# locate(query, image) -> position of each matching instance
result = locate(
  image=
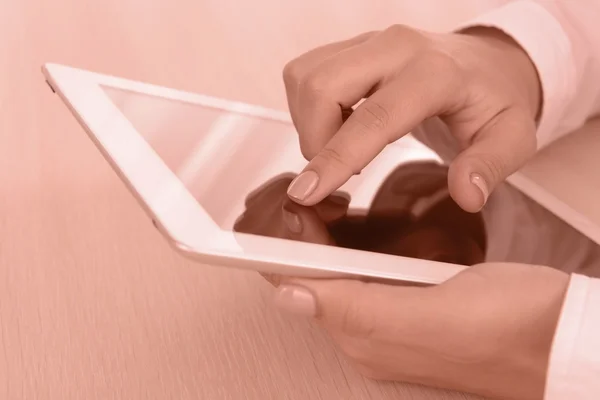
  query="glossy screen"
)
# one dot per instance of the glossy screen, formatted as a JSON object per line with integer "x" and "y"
{"x": 238, "y": 168}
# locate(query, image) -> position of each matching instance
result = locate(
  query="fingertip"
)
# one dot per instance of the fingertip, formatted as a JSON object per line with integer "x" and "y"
{"x": 302, "y": 188}
{"x": 468, "y": 189}
{"x": 479, "y": 182}
{"x": 496, "y": 153}
{"x": 296, "y": 299}
{"x": 316, "y": 183}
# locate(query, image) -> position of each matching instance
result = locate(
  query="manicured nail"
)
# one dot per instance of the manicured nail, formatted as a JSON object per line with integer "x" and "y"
{"x": 303, "y": 185}
{"x": 479, "y": 182}
{"x": 296, "y": 300}
{"x": 292, "y": 221}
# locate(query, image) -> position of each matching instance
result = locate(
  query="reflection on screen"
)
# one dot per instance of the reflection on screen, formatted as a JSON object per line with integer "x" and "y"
{"x": 234, "y": 165}
{"x": 219, "y": 156}
{"x": 443, "y": 232}
{"x": 412, "y": 215}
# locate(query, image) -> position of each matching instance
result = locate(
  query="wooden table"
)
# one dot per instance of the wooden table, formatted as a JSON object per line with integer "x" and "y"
{"x": 93, "y": 302}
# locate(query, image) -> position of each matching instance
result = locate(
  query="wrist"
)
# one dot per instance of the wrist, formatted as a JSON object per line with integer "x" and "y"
{"x": 523, "y": 356}
{"x": 505, "y": 53}
{"x": 532, "y": 357}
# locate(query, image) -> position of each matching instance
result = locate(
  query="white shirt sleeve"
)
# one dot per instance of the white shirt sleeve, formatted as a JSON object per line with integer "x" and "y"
{"x": 562, "y": 38}
{"x": 574, "y": 369}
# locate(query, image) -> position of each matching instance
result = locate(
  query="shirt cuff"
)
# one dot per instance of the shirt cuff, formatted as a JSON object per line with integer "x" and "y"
{"x": 543, "y": 38}
{"x": 574, "y": 365}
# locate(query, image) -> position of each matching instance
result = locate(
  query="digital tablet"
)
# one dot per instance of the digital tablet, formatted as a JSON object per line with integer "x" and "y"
{"x": 212, "y": 174}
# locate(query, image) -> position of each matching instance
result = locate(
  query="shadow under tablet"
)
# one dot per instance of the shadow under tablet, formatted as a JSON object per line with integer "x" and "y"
{"x": 413, "y": 215}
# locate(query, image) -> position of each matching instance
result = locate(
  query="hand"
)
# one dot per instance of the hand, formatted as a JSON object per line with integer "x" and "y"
{"x": 480, "y": 82}
{"x": 487, "y": 331}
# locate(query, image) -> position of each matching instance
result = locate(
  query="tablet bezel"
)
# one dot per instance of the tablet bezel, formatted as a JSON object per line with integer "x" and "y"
{"x": 184, "y": 222}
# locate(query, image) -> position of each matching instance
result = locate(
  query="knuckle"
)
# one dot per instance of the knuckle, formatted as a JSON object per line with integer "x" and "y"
{"x": 315, "y": 85}
{"x": 440, "y": 62}
{"x": 292, "y": 74}
{"x": 493, "y": 167}
{"x": 331, "y": 155}
{"x": 404, "y": 32}
{"x": 405, "y": 39}
{"x": 307, "y": 153}
{"x": 398, "y": 30}
{"x": 372, "y": 116}
{"x": 307, "y": 148}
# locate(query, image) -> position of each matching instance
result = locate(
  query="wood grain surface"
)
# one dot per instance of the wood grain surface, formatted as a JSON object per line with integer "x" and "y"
{"x": 93, "y": 302}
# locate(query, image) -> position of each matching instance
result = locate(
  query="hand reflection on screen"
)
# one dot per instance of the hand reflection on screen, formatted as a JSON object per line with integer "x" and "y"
{"x": 411, "y": 215}
{"x": 269, "y": 212}
{"x": 435, "y": 228}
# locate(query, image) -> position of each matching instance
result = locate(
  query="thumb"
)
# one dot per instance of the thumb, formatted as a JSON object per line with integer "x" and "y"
{"x": 356, "y": 308}
{"x": 497, "y": 151}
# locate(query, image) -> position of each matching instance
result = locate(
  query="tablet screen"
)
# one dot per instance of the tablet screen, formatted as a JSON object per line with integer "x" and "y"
{"x": 238, "y": 168}
{"x": 218, "y": 155}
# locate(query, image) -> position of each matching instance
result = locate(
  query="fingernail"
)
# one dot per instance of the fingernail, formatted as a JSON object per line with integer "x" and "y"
{"x": 303, "y": 185}
{"x": 479, "y": 182}
{"x": 292, "y": 221}
{"x": 296, "y": 300}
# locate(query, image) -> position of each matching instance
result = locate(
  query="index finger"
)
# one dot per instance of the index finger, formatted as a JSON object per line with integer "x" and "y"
{"x": 419, "y": 92}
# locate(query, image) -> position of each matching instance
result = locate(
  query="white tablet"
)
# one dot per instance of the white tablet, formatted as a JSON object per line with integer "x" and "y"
{"x": 213, "y": 174}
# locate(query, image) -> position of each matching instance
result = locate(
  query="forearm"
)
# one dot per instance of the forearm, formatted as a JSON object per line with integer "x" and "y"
{"x": 562, "y": 39}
